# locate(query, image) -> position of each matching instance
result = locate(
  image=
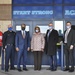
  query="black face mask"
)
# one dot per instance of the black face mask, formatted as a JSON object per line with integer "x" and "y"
{"x": 23, "y": 28}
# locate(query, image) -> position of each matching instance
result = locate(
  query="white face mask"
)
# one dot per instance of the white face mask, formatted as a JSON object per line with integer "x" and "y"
{"x": 37, "y": 31}
{"x": 68, "y": 27}
{"x": 50, "y": 27}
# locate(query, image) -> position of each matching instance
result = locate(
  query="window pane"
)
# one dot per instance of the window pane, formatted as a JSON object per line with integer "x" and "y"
{"x": 43, "y": 29}
{"x": 18, "y": 28}
{"x": 59, "y": 27}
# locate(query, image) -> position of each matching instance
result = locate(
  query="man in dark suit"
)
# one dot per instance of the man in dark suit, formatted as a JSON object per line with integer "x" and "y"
{"x": 22, "y": 42}
{"x": 51, "y": 40}
{"x": 69, "y": 40}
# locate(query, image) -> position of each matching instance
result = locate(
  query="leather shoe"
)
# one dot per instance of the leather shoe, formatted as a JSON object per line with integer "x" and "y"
{"x": 48, "y": 68}
{"x": 71, "y": 70}
{"x": 19, "y": 70}
{"x": 53, "y": 69}
{"x": 25, "y": 69}
{"x": 6, "y": 70}
{"x": 12, "y": 68}
{"x": 66, "y": 69}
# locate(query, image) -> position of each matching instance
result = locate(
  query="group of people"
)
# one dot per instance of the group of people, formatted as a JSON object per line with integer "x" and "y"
{"x": 22, "y": 43}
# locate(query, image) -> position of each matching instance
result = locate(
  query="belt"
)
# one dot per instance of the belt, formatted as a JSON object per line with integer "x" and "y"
{"x": 65, "y": 43}
{"x": 10, "y": 44}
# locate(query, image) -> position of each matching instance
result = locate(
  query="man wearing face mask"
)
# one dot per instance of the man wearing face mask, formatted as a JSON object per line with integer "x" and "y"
{"x": 51, "y": 40}
{"x": 22, "y": 42}
{"x": 69, "y": 40}
{"x": 9, "y": 47}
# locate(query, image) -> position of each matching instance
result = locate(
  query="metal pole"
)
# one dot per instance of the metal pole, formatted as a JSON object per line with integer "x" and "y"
{"x": 62, "y": 57}
{"x": 2, "y": 60}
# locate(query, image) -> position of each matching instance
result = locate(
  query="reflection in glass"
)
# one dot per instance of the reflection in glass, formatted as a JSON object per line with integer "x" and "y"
{"x": 18, "y": 28}
{"x": 43, "y": 29}
{"x": 59, "y": 27}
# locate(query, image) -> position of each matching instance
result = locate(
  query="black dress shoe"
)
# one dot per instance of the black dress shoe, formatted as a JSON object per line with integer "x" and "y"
{"x": 54, "y": 69}
{"x": 48, "y": 68}
{"x": 25, "y": 69}
{"x": 19, "y": 70}
{"x": 6, "y": 70}
{"x": 12, "y": 68}
{"x": 35, "y": 69}
{"x": 39, "y": 69}
{"x": 71, "y": 70}
{"x": 66, "y": 69}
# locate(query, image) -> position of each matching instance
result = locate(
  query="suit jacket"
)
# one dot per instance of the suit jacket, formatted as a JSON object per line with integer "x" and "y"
{"x": 50, "y": 43}
{"x": 20, "y": 42}
{"x": 70, "y": 37}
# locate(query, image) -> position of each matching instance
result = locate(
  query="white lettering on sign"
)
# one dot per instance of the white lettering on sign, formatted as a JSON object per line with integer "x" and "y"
{"x": 46, "y": 12}
{"x": 69, "y": 12}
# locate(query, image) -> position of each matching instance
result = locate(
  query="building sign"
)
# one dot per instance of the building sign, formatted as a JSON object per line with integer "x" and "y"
{"x": 69, "y": 12}
{"x": 32, "y": 12}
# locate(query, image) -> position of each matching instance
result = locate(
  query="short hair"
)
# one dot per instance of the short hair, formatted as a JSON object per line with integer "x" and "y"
{"x": 51, "y": 23}
{"x": 38, "y": 28}
{"x": 68, "y": 22}
{"x": 23, "y": 24}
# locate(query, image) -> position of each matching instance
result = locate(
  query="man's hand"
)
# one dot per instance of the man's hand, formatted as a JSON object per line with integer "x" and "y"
{"x": 17, "y": 49}
{"x": 3, "y": 49}
{"x": 42, "y": 49}
{"x": 31, "y": 50}
{"x": 61, "y": 42}
{"x": 28, "y": 49}
{"x": 71, "y": 47}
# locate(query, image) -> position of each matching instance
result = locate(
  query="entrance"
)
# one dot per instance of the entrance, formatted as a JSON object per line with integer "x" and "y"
{"x": 43, "y": 24}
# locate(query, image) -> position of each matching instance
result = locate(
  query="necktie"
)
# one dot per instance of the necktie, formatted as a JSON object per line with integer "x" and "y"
{"x": 23, "y": 34}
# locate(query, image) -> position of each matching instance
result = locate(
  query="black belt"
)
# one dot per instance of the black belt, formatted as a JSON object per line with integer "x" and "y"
{"x": 10, "y": 44}
{"x": 65, "y": 43}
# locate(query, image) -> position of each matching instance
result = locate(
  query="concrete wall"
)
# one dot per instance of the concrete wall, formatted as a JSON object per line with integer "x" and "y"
{"x": 5, "y": 1}
{"x": 5, "y": 14}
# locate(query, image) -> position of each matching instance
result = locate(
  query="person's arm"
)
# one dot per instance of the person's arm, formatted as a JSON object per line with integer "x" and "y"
{"x": 72, "y": 40}
{"x": 28, "y": 41}
{"x": 73, "y": 37}
{"x": 4, "y": 39}
{"x": 43, "y": 42}
{"x": 32, "y": 43}
{"x": 45, "y": 50}
{"x": 17, "y": 42}
{"x": 56, "y": 37}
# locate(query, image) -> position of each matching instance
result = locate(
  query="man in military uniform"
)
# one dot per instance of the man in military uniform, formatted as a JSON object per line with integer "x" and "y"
{"x": 9, "y": 47}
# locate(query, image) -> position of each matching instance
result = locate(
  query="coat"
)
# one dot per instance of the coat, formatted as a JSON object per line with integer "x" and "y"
{"x": 37, "y": 42}
{"x": 50, "y": 42}
{"x": 70, "y": 37}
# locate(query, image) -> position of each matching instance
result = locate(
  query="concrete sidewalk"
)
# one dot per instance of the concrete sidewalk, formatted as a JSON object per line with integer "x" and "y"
{"x": 32, "y": 72}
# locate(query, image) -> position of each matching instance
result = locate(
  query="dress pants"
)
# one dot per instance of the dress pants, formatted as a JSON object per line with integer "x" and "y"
{"x": 37, "y": 60}
{"x": 53, "y": 61}
{"x": 69, "y": 57}
{"x": 9, "y": 55}
{"x": 22, "y": 53}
